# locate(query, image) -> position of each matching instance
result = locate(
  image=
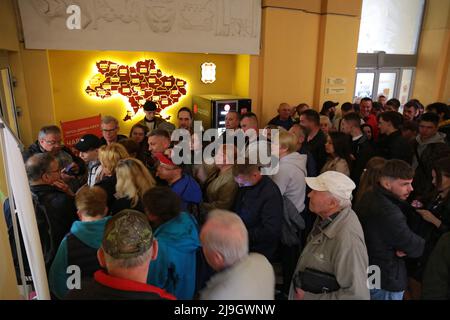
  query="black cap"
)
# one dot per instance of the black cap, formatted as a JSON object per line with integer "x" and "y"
{"x": 150, "y": 106}
{"x": 329, "y": 104}
{"x": 88, "y": 142}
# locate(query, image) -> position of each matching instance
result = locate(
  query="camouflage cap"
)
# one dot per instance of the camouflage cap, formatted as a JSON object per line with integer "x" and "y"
{"x": 128, "y": 235}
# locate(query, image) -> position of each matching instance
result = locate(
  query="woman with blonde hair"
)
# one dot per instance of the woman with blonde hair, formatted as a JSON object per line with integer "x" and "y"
{"x": 325, "y": 124}
{"x": 109, "y": 156}
{"x": 133, "y": 180}
{"x": 290, "y": 179}
{"x": 370, "y": 177}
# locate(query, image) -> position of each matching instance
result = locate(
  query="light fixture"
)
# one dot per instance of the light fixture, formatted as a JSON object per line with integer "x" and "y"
{"x": 208, "y": 72}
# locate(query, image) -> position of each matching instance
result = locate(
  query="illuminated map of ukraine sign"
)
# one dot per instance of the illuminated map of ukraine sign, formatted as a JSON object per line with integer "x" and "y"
{"x": 137, "y": 83}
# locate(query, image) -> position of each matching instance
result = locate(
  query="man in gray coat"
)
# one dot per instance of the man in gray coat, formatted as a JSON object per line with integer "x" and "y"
{"x": 335, "y": 249}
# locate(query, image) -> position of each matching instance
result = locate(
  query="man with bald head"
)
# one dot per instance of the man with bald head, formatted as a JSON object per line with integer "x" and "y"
{"x": 232, "y": 120}
{"x": 284, "y": 117}
{"x": 240, "y": 275}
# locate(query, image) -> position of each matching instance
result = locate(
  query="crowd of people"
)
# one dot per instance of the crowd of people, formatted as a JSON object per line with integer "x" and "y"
{"x": 358, "y": 188}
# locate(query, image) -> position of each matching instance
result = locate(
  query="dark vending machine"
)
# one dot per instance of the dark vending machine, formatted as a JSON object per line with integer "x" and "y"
{"x": 211, "y": 109}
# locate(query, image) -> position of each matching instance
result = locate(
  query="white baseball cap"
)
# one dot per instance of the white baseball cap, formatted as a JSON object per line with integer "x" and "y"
{"x": 334, "y": 182}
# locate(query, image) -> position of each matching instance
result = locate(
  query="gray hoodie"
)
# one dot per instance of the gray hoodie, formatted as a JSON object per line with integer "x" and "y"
{"x": 439, "y": 137}
{"x": 290, "y": 178}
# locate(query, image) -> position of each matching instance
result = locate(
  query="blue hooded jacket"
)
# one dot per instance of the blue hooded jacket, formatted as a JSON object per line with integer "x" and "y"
{"x": 189, "y": 191}
{"x": 91, "y": 234}
{"x": 174, "y": 269}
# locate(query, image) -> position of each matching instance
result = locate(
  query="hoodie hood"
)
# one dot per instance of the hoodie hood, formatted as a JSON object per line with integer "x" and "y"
{"x": 188, "y": 189}
{"x": 439, "y": 137}
{"x": 175, "y": 267}
{"x": 181, "y": 230}
{"x": 296, "y": 160}
{"x": 90, "y": 233}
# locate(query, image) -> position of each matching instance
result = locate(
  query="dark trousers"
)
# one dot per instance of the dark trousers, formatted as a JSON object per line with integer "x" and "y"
{"x": 289, "y": 259}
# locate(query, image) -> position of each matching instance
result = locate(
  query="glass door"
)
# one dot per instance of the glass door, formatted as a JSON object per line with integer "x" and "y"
{"x": 387, "y": 84}
{"x": 392, "y": 83}
{"x": 364, "y": 84}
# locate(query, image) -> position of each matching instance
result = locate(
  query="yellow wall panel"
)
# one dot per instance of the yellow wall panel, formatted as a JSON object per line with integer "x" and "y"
{"x": 71, "y": 71}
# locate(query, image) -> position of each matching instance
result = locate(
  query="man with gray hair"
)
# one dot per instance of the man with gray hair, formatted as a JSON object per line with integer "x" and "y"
{"x": 110, "y": 130}
{"x": 50, "y": 141}
{"x": 333, "y": 265}
{"x": 127, "y": 249}
{"x": 241, "y": 276}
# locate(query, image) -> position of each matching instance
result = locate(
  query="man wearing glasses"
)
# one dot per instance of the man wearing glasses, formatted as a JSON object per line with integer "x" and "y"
{"x": 110, "y": 130}
{"x": 49, "y": 141}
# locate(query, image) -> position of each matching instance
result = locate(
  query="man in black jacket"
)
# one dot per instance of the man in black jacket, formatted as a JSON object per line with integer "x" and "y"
{"x": 429, "y": 146}
{"x": 110, "y": 130}
{"x": 315, "y": 143}
{"x": 361, "y": 148}
{"x": 73, "y": 168}
{"x": 388, "y": 237}
{"x": 153, "y": 120}
{"x": 260, "y": 205}
{"x": 53, "y": 194}
{"x": 392, "y": 145}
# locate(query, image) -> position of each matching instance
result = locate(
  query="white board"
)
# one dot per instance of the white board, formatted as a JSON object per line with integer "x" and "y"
{"x": 18, "y": 185}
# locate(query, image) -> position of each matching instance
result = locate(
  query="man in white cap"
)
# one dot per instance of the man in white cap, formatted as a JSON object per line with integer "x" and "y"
{"x": 334, "y": 263}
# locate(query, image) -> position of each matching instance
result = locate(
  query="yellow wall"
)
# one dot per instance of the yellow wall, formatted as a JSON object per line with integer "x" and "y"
{"x": 337, "y": 50}
{"x": 289, "y": 56}
{"x": 8, "y": 284}
{"x": 303, "y": 44}
{"x": 71, "y": 70}
{"x": 8, "y": 38}
{"x": 241, "y": 76}
{"x": 432, "y": 74}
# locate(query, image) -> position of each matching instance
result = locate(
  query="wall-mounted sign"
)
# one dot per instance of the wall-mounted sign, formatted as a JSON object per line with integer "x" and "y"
{"x": 336, "y": 81}
{"x": 337, "y": 90}
{"x": 138, "y": 83}
{"x": 75, "y": 129}
{"x": 208, "y": 72}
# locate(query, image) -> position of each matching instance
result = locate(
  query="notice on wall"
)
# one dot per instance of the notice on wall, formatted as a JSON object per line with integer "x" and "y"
{"x": 336, "y": 81}
{"x": 201, "y": 26}
{"x": 75, "y": 129}
{"x": 336, "y": 90}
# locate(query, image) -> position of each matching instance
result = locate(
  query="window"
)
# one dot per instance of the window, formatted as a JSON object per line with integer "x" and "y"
{"x": 392, "y": 26}
{"x": 387, "y": 48}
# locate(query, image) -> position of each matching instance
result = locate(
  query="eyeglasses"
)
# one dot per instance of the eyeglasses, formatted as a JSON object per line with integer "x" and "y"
{"x": 52, "y": 143}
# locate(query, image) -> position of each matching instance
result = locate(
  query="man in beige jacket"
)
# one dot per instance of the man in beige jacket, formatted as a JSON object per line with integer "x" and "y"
{"x": 336, "y": 243}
